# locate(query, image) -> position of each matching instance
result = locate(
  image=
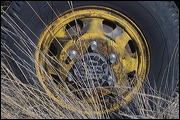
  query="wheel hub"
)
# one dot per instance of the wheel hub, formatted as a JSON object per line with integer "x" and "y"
{"x": 96, "y": 53}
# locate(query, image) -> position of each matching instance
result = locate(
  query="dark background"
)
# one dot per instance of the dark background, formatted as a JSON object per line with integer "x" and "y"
{"x": 6, "y": 3}
{"x": 177, "y": 3}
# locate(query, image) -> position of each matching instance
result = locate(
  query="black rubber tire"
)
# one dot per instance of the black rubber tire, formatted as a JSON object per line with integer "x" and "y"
{"x": 159, "y": 22}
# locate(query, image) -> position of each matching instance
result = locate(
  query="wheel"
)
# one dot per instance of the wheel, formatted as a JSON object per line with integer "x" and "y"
{"x": 89, "y": 48}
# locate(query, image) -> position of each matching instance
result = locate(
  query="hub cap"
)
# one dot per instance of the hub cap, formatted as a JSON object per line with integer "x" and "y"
{"x": 92, "y": 68}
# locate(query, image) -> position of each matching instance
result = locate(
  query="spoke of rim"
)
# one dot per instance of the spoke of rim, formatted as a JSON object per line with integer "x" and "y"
{"x": 64, "y": 34}
{"x": 94, "y": 25}
{"x": 116, "y": 32}
{"x": 129, "y": 63}
{"x": 52, "y": 65}
{"x": 61, "y": 33}
{"x": 121, "y": 41}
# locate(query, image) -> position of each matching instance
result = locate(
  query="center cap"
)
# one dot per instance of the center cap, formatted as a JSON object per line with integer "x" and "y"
{"x": 92, "y": 69}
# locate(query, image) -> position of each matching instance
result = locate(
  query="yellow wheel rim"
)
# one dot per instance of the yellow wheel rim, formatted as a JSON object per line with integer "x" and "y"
{"x": 114, "y": 33}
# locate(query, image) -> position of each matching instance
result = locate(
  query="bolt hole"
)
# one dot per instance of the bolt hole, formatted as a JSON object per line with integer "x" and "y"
{"x": 74, "y": 27}
{"x": 108, "y": 26}
{"x": 130, "y": 48}
{"x": 53, "y": 50}
{"x": 131, "y": 75}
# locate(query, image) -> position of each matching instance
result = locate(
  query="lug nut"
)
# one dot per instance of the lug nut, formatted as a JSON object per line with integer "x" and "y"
{"x": 93, "y": 45}
{"x": 72, "y": 54}
{"x": 110, "y": 80}
{"x": 112, "y": 58}
{"x": 69, "y": 78}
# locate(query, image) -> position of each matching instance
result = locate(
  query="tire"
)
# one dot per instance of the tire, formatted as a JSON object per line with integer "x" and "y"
{"x": 159, "y": 22}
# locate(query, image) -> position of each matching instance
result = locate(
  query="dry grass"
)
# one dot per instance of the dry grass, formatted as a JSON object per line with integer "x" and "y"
{"x": 20, "y": 100}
